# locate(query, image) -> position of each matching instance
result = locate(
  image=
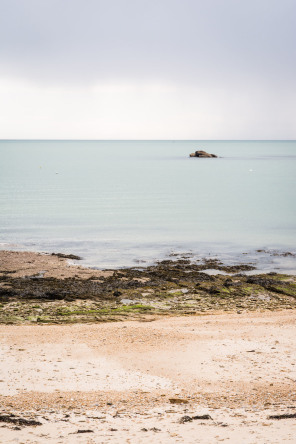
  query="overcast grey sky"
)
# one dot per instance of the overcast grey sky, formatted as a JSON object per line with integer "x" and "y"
{"x": 148, "y": 69}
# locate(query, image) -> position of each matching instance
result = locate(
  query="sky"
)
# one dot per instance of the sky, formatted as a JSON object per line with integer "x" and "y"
{"x": 147, "y": 69}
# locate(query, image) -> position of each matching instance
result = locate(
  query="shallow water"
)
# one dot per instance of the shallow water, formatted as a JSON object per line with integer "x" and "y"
{"x": 121, "y": 203}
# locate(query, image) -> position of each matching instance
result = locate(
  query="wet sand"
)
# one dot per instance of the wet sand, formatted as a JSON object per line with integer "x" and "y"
{"x": 27, "y": 263}
{"x": 135, "y": 381}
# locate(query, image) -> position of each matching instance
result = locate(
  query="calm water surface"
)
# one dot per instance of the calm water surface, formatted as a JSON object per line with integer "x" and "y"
{"x": 119, "y": 202}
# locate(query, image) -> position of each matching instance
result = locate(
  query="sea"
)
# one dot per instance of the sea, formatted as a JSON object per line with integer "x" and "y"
{"x": 132, "y": 203}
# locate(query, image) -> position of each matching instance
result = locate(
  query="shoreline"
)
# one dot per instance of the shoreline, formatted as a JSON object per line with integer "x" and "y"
{"x": 46, "y": 288}
{"x": 265, "y": 259}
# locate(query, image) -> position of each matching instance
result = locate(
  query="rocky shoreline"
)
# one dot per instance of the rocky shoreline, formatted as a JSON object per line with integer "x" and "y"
{"x": 42, "y": 288}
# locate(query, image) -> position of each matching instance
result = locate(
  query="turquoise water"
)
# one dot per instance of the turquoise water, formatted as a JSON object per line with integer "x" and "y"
{"x": 119, "y": 202}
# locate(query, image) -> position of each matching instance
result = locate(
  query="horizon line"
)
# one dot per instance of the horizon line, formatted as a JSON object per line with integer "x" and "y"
{"x": 143, "y": 140}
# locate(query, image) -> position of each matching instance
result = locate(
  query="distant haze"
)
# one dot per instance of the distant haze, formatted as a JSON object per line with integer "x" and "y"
{"x": 148, "y": 69}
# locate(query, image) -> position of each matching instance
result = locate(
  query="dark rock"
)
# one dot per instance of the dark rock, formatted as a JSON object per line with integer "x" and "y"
{"x": 201, "y": 153}
{"x": 201, "y": 417}
{"x": 185, "y": 419}
{"x": 191, "y": 418}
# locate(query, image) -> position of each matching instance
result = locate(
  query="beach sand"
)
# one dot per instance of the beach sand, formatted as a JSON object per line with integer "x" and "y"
{"x": 208, "y": 377}
{"x": 142, "y": 382}
{"x": 27, "y": 263}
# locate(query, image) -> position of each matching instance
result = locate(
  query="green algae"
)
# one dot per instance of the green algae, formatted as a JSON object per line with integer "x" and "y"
{"x": 166, "y": 289}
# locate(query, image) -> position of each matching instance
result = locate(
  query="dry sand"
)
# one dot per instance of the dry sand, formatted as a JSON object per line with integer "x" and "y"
{"x": 113, "y": 382}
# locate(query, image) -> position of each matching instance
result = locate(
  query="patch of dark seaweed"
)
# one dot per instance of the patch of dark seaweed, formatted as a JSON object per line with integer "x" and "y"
{"x": 67, "y": 256}
{"x": 277, "y": 253}
{"x": 150, "y": 286}
{"x": 12, "y": 419}
{"x": 262, "y": 280}
{"x": 283, "y": 416}
{"x": 53, "y": 289}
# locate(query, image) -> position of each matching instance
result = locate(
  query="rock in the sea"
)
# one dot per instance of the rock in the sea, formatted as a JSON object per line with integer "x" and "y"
{"x": 201, "y": 153}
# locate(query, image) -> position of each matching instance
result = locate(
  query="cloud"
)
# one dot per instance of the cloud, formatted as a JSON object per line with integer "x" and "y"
{"x": 89, "y": 40}
{"x": 143, "y": 111}
{"x": 139, "y": 68}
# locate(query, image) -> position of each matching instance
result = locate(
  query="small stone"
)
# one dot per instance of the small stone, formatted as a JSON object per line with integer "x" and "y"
{"x": 85, "y": 431}
{"x": 185, "y": 419}
{"x": 178, "y": 401}
{"x": 202, "y": 417}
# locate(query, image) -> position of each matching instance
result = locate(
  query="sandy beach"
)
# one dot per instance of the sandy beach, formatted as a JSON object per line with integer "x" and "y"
{"x": 220, "y": 373}
{"x": 144, "y": 382}
{"x": 26, "y": 263}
